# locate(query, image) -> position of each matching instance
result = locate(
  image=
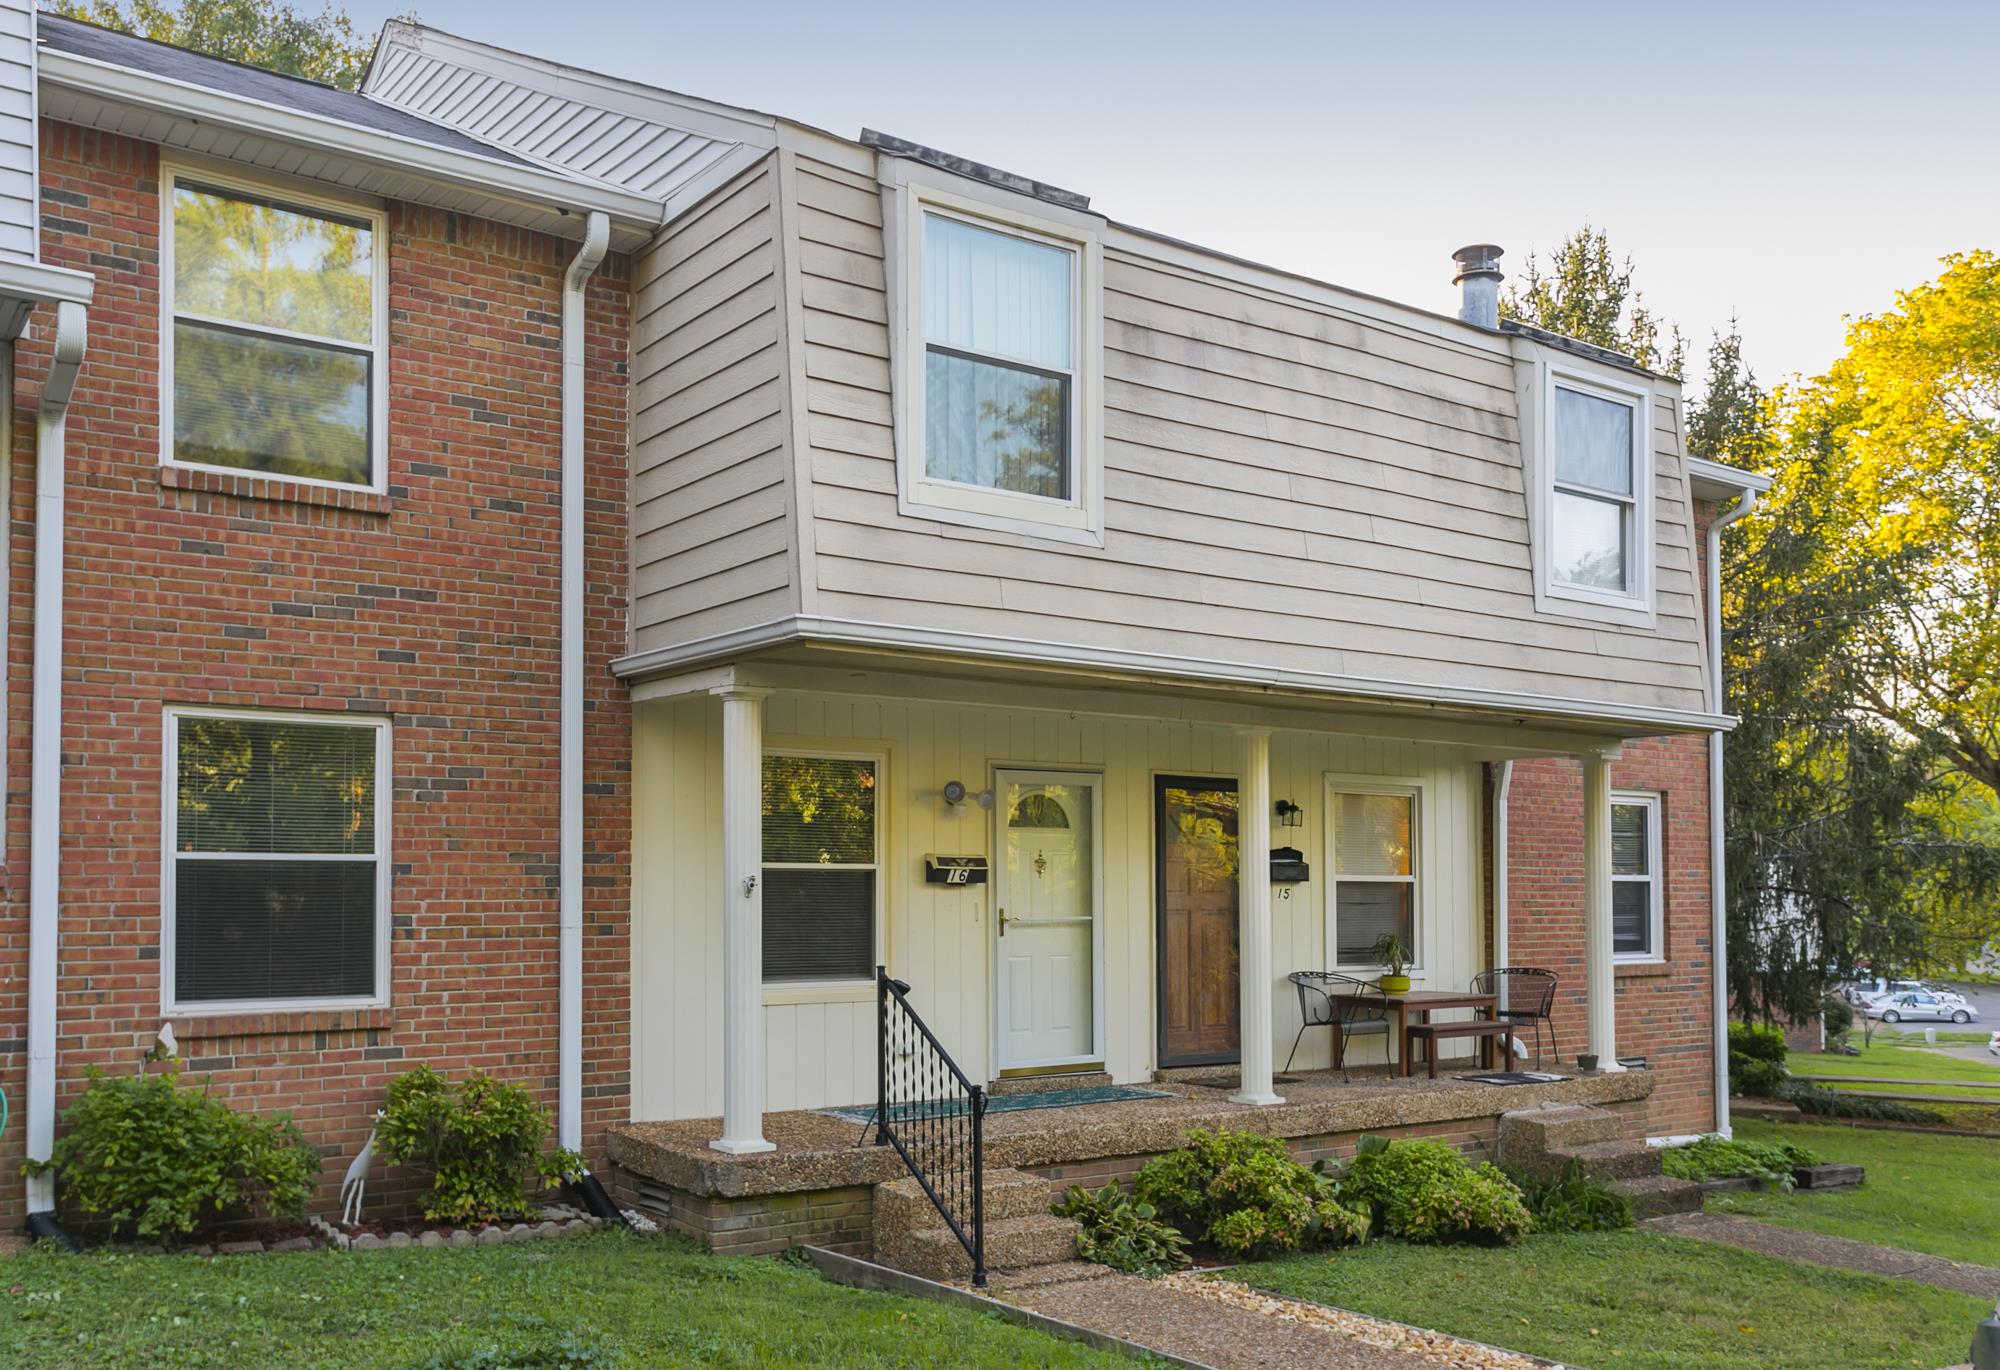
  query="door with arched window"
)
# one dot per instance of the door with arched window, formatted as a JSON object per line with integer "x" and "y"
{"x": 1046, "y": 898}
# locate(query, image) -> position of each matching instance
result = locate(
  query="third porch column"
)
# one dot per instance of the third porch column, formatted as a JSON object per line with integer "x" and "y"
{"x": 1253, "y": 922}
{"x": 1601, "y": 989}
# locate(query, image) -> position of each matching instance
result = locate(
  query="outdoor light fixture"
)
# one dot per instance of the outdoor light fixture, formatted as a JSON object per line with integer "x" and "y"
{"x": 955, "y": 792}
{"x": 1290, "y": 815}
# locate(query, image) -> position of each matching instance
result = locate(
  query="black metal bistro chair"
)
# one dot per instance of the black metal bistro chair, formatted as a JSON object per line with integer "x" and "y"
{"x": 1524, "y": 994}
{"x": 1351, "y": 1007}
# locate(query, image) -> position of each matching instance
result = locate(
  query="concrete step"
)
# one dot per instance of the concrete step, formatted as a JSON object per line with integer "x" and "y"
{"x": 902, "y": 1204}
{"x": 1011, "y": 1244}
{"x": 1610, "y": 1160}
{"x": 1041, "y": 1084}
{"x": 1553, "y": 1125}
{"x": 1658, "y": 1195}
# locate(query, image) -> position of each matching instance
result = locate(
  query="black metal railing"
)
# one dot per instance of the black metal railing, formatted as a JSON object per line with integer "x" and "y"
{"x": 933, "y": 1116}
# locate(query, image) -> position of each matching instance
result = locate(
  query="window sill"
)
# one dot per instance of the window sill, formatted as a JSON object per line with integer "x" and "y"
{"x": 248, "y": 485}
{"x": 777, "y": 996}
{"x": 196, "y": 1026}
{"x": 1640, "y": 969}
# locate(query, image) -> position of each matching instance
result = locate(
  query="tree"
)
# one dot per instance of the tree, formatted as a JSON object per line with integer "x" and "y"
{"x": 1587, "y": 294}
{"x": 262, "y": 33}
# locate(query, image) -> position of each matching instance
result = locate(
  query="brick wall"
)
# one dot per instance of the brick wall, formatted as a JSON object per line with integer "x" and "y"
{"x": 435, "y": 605}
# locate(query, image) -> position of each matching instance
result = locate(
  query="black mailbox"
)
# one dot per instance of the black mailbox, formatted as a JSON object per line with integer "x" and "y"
{"x": 954, "y": 870}
{"x": 1288, "y": 866}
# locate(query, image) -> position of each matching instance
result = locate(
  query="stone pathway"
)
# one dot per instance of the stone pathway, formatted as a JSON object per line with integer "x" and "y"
{"x": 1842, "y": 1253}
{"x": 1234, "y": 1328}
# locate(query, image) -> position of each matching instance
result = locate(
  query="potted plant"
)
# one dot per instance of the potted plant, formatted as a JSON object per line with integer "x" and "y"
{"x": 1394, "y": 958}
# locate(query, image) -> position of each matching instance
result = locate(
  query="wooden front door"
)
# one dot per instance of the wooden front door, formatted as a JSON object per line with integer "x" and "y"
{"x": 1195, "y": 838}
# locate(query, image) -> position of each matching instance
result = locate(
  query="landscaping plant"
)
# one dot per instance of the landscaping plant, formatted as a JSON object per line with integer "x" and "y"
{"x": 480, "y": 1140}
{"x": 1720, "y": 1158}
{"x": 1423, "y": 1191}
{"x": 1832, "y": 1103}
{"x": 1125, "y": 1234}
{"x": 1574, "y": 1202}
{"x": 1243, "y": 1194}
{"x": 144, "y": 1157}
{"x": 1756, "y": 1061}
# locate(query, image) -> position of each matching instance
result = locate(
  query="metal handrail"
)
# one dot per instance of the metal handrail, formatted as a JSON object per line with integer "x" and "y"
{"x": 933, "y": 1116}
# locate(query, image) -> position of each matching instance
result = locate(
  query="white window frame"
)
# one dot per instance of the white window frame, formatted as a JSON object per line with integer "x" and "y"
{"x": 285, "y": 194}
{"x": 910, "y": 191}
{"x": 807, "y": 991}
{"x": 170, "y": 856}
{"x": 1656, "y": 878}
{"x": 1405, "y": 787}
{"x": 1635, "y": 604}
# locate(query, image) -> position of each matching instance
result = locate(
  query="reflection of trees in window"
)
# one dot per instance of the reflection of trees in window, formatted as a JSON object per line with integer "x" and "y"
{"x": 251, "y": 785}
{"x": 1037, "y": 427}
{"x": 1204, "y": 825}
{"x": 819, "y": 809}
{"x": 1038, "y": 810}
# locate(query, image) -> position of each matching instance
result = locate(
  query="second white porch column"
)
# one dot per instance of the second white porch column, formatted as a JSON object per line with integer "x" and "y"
{"x": 1602, "y": 985}
{"x": 742, "y": 922}
{"x": 1253, "y": 903}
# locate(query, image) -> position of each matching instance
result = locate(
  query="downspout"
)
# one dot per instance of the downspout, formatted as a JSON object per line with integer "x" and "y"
{"x": 1503, "y": 782}
{"x": 1718, "y": 931}
{"x": 45, "y": 773}
{"x": 596, "y": 238}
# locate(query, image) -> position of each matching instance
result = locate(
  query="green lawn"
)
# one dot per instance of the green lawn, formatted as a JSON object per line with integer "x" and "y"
{"x": 1640, "y": 1299}
{"x": 598, "y": 1301}
{"x": 1899, "y": 1061}
{"x": 1924, "y": 1193}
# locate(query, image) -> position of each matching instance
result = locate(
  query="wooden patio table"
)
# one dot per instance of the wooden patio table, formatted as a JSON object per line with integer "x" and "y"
{"x": 1422, "y": 1003}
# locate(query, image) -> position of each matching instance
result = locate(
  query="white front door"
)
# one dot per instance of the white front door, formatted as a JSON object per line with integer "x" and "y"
{"x": 1046, "y": 927}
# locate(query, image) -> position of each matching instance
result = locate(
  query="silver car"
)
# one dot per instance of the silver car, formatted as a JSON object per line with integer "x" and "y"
{"x": 1921, "y": 1006}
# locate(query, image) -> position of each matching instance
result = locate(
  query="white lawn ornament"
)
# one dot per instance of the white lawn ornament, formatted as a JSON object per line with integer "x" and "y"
{"x": 355, "y": 1183}
{"x": 165, "y": 1047}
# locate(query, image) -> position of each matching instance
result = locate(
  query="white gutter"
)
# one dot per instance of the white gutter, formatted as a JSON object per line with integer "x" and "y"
{"x": 596, "y": 238}
{"x": 45, "y": 804}
{"x": 1503, "y": 783}
{"x": 1718, "y": 931}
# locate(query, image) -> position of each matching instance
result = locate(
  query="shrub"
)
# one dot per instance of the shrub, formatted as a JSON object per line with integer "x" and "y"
{"x": 1756, "y": 1078}
{"x": 1831, "y": 1103}
{"x": 1423, "y": 1191}
{"x": 1720, "y": 1158}
{"x": 479, "y": 1140}
{"x": 1758, "y": 1042}
{"x": 145, "y": 1157}
{"x": 1125, "y": 1234}
{"x": 1573, "y": 1202}
{"x": 1837, "y": 1016}
{"x": 1242, "y": 1193}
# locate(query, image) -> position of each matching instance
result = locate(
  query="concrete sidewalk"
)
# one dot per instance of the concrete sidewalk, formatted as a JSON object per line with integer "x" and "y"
{"x": 1841, "y": 1253}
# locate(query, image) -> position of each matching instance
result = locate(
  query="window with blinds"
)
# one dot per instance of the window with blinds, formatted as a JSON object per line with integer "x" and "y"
{"x": 278, "y": 882}
{"x": 821, "y": 868}
{"x": 1636, "y": 903}
{"x": 1374, "y": 864}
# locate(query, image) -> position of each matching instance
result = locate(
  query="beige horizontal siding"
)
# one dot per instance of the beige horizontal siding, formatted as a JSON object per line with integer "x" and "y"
{"x": 711, "y": 495}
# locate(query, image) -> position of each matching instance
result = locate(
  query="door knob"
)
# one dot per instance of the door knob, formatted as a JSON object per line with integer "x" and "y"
{"x": 1003, "y": 922}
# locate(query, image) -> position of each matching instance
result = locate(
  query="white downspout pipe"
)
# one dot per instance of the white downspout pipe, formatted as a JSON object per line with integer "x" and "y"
{"x": 45, "y": 805}
{"x": 596, "y": 238}
{"x": 1503, "y": 783}
{"x": 1718, "y": 932}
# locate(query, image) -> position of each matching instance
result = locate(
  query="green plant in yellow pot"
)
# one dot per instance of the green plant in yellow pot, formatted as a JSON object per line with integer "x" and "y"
{"x": 1394, "y": 957}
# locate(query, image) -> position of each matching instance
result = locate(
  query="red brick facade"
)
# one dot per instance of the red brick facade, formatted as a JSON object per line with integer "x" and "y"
{"x": 435, "y": 605}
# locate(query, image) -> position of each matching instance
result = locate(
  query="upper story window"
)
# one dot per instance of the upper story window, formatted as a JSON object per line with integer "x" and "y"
{"x": 271, "y": 342}
{"x": 1596, "y": 514}
{"x": 999, "y": 366}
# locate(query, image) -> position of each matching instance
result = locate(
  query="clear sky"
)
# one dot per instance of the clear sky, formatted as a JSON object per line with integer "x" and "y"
{"x": 1790, "y": 163}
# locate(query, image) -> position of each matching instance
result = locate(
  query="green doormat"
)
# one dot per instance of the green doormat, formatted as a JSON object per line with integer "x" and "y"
{"x": 1002, "y": 1103}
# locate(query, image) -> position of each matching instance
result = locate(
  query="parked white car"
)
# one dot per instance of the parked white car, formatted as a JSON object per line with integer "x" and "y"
{"x": 1921, "y": 1006}
{"x": 1993, "y": 1044}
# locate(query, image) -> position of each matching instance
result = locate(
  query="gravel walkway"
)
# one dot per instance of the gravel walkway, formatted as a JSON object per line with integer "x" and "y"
{"x": 1842, "y": 1253}
{"x": 1225, "y": 1325}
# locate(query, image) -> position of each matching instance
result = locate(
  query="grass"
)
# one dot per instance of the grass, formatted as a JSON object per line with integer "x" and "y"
{"x": 1899, "y": 1061}
{"x": 1939, "y": 1195}
{"x": 596, "y": 1301}
{"x": 1640, "y": 1299}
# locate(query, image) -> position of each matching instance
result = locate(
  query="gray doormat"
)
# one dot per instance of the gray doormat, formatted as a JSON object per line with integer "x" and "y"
{"x": 1002, "y": 1103}
{"x": 1514, "y": 1077}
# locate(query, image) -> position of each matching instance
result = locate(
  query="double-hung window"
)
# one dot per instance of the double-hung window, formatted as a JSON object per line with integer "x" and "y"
{"x": 1597, "y": 506}
{"x": 1372, "y": 839}
{"x": 999, "y": 374}
{"x": 272, "y": 336}
{"x": 1637, "y": 905}
{"x": 276, "y": 890}
{"x": 822, "y": 852}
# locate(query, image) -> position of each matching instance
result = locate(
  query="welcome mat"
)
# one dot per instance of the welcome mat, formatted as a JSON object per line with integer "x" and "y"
{"x": 1514, "y": 1077}
{"x": 1001, "y": 1103}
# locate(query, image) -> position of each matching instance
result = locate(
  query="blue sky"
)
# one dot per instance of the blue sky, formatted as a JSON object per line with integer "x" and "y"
{"x": 1790, "y": 163}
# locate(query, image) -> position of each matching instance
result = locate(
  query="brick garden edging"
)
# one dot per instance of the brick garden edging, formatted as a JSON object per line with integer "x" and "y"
{"x": 557, "y": 1221}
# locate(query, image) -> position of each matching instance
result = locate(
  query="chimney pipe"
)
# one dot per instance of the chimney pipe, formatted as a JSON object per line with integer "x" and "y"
{"x": 1479, "y": 272}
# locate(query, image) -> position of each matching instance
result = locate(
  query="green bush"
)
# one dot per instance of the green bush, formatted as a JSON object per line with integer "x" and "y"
{"x": 1242, "y": 1193}
{"x": 479, "y": 1140}
{"x": 1125, "y": 1234}
{"x": 1573, "y": 1202}
{"x": 1754, "y": 1077}
{"x": 1758, "y": 1042}
{"x": 1832, "y": 1103}
{"x": 1423, "y": 1191}
{"x": 1837, "y": 1016}
{"x": 144, "y": 1157}
{"x": 1720, "y": 1158}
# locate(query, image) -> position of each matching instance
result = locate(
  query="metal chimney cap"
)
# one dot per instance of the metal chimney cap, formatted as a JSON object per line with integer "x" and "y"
{"x": 1478, "y": 259}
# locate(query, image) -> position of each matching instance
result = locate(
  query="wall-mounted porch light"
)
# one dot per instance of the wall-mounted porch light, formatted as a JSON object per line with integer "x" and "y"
{"x": 955, "y": 792}
{"x": 1290, "y": 815}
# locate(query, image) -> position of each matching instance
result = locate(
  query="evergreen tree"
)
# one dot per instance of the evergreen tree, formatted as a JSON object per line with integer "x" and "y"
{"x": 1587, "y": 294}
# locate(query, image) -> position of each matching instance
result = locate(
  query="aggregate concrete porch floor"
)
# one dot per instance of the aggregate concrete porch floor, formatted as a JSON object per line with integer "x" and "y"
{"x": 816, "y": 1151}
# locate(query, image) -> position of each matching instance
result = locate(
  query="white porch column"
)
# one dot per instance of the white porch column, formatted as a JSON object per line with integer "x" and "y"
{"x": 742, "y": 922}
{"x": 1253, "y": 903}
{"x": 1601, "y": 978}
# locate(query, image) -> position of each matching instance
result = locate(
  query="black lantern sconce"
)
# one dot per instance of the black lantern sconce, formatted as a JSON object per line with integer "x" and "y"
{"x": 1290, "y": 815}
